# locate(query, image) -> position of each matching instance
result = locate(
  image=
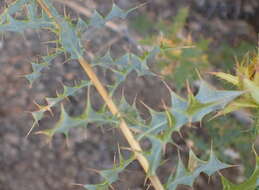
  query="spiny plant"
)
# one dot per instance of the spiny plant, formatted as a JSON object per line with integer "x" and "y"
{"x": 246, "y": 78}
{"x": 176, "y": 63}
{"x": 41, "y": 14}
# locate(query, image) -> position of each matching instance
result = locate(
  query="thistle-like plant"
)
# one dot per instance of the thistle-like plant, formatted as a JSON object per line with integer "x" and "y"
{"x": 41, "y": 14}
{"x": 246, "y": 79}
{"x": 182, "y": 61}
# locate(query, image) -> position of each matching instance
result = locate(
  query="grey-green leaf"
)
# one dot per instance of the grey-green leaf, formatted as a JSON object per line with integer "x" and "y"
{"x": 207, "y": 100}
{"x": 110, "y": 175}
{"x": 184, "y": 176}
{"x": 116, "y": 12}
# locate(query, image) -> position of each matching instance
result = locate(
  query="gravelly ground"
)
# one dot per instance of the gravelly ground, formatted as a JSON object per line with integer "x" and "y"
{"x": 28, "y": 163}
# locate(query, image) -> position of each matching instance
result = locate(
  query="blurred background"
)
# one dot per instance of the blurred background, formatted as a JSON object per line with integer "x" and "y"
{"x": 221, "y": 31}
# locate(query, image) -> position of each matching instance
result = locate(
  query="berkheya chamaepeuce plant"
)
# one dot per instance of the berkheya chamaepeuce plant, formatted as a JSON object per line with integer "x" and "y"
{"x": 123, "y": 115}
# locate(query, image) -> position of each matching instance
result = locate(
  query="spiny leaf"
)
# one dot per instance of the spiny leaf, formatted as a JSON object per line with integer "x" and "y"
{"x": 250, "y": 184}
{"x": 38, "y": 67}
{"x": 151, "y": 130}
{"x": 116, "y": 12}
{"x": 206, "y": 101}
{"x": 66, "y": 122}
{"x": 14, "y": 25}
{"x": 32, "y": 77}
{"x": 67, "y": 91}
{"x": 12, "y": 8}
{"x": 179, "y": 105}
{"x": 37, "y": 116}
{"x": 52, "y": 101}
{"x": 129, "y": 112}
{"x": 214, "y": 99}
{"x": 32, "y": 21}
{"x": 126, "y": 63}
{"x": 194, "y": 162}
{"x": 139, "y": 65}
{"x": 154, "y": 155}
{"x": 228, "y": 77}
{"x": 159, "y": 132}
{"x": 158, "y": 123}
{"x": 98, "y": 20}
{"x": 209, "y": 94}
{"x": 110, "y": 175}
{"x": 184, "y": 176}
{"x": 237, "y": 105}
{"x": 122, "y": 66}
{"x": 69, "y": 40}
{"x": 49, "y": 58}
{"x": 246, "y": 78}
{"x": 81, "y": 26}
{"x": 105, "y": 60}
{"x": 194, "y": 106}
{"x": 212, "y": 165}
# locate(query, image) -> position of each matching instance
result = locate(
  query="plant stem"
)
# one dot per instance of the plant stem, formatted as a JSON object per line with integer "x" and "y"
{"x": 123, "y": 125}
{"x": 134, "y": 144}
